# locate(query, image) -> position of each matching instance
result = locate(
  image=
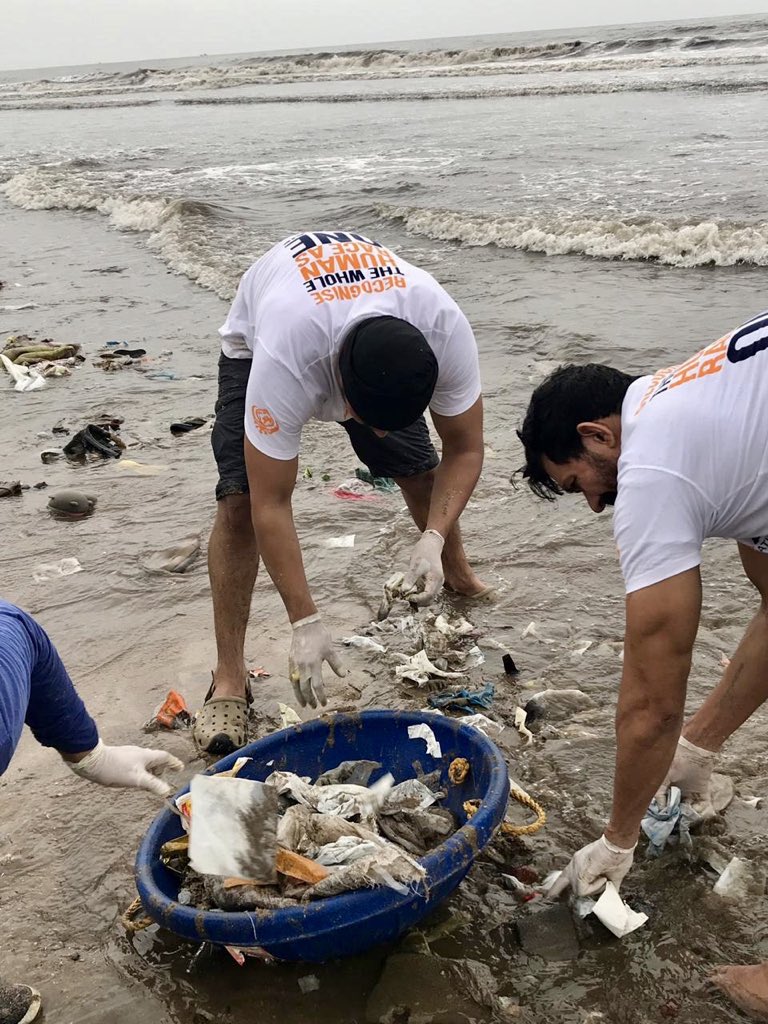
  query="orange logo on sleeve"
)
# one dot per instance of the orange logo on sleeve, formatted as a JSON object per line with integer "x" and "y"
{"x": 264, "y": 421}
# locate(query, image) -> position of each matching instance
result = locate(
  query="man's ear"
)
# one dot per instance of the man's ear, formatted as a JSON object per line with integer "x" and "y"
{"x": 597, "y": 435}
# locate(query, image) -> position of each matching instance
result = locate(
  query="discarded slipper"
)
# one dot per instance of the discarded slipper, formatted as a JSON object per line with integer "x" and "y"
{"x": 184, "y": 426}
{"x": 221, "y": 725}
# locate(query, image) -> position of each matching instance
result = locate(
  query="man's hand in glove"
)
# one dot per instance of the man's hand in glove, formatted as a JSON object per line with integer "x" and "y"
{"x": 311, "y": 646}
{"x": 427, "y": 565}
{"x": 592, "y": 867}
{"x": 691, "y": 772}
{"x": 131, "y": 767}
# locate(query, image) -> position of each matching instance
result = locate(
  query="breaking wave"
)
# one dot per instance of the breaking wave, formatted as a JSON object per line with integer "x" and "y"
{"x": 555, "y": 89}
{"x": 678, "y": 244}
{"x": 684, "y": 46}
{"x": 179, "y": 231}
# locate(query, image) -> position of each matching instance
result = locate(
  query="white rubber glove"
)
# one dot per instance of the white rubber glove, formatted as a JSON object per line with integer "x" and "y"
{"x": 132, "y": 767}
{"x": 426, "y": 564}
{"x": 592, "y": 867}
{"x": 311, "y": 646}
{"x": 691, "y": 772}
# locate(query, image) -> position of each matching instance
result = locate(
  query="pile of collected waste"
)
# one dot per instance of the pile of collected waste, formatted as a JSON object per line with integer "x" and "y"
{"x": 268, "y": 845}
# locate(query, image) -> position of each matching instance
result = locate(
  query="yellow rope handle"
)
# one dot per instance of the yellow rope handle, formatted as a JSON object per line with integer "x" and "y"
{"x": 131, "y": 922}
{"x": 507, "y": 828}
{"x": 458, "y": 770}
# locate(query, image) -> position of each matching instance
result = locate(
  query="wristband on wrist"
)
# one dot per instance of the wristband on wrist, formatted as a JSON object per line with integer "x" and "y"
{"x": 315, "y": 617}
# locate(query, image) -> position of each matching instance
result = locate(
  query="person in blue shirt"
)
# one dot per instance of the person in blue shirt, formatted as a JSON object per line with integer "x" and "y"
{"x": 35, "y": 689}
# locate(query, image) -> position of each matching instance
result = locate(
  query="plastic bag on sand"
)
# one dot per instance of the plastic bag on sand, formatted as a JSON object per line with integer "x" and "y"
{"x": 388, "y": 866}
{"x": 419, "y": 669}
{"x": 53, "y": 570}
{"x": 346, "y": 801}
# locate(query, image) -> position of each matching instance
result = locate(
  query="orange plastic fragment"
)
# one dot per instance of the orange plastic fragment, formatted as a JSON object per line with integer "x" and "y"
{"x": 295, "y": 866}
{"x": 173, "y": 706}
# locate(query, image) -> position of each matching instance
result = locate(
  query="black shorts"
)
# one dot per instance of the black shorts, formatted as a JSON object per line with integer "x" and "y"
{"x": 401, "y": 453}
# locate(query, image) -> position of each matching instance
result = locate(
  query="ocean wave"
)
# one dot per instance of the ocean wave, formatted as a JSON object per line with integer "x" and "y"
{"x": 54, "y": 104}
{"x": 621, "y": 54}
{"x": 678, "y": 244}
{"x": 554, "y": 89}
{"x": 179, "y": 230}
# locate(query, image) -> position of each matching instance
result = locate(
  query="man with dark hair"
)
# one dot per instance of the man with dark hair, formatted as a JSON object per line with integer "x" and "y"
{"x": 683, "y": 455}
{"x": 332, "y": 326}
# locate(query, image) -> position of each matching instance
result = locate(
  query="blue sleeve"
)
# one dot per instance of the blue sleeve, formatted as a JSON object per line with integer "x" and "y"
{"x": 35, "y": 688}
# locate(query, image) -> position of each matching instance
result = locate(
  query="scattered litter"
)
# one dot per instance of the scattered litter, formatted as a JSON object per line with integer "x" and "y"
{"x": 393, "y": 592}
{"x": 532, "y": 630}
{"x": 94, "y": 439}
{"x": 309, "y": 983}
{"x": 307, "y": 474}
{"x": 365, "y": 643}
{"x": 419, "y": 669}
{"x": 581, "y": 648}
{"x": 459, "y": 699}
{"x": 520, "y": 720}
{"x": 379, "y": 483}
{"x": 10, "y": 489}
{"x": 740, "y": 880}
{"x": 54, "y": 570}
{"x": 510, "y": 667}
{"x": 162, "y": 375}
{"x": 423, "y": 732}
{"x": 24, "y": 378}
{"x": 355, "y": 490}
{"x": 141, "y": 468}
{"x": 185, "y": 426}
{"x": 17, "y": 308}
{"x": 611, "y": 910}
{"x": 177, "y": 558}
{"x": 475, "y": 658}
{"x": 258, "y": 672}
{"x": 486, "y": 725}
{"x": 71, "y": 504}
{"x": 752, "y": 801}
{"x": 288, "y": 716}
{"x": 171, "y": 714}
{"x": 669, "y": 824}
{"x": 346, "y": 541}
{"x": 233, "y": 830}
{"x": 557, "y": 703}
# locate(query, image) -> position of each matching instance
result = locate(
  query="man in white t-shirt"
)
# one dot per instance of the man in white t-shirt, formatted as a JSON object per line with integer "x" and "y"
{"x": 683, "y": 455}
{"x": 333, "y": 326}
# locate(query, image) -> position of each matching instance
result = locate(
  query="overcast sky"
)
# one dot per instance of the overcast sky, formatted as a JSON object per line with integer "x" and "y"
{"x": 43, "y": 33}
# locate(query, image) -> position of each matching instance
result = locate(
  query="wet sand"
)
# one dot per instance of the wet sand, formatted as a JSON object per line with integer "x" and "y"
{"x": 66, "y": 849}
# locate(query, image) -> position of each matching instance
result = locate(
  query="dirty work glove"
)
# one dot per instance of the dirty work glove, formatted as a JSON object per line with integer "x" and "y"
{"x": 691, "y": 772}
{"x": 592, "y": 867}
{"x": 426, "y": 564}
{"x": 311, "y": 646}
{"x": 132, "y": 767}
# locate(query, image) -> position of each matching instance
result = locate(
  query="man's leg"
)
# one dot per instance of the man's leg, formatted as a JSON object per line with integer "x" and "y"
{"x": 409, "y": 458}
{"x": 233, "y": 561}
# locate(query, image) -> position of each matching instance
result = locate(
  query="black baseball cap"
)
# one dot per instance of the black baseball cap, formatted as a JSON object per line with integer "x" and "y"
{"x": 388, "y": 372}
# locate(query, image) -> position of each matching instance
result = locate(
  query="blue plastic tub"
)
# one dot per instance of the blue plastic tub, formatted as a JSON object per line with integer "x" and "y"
{"x": 348, "y": 924}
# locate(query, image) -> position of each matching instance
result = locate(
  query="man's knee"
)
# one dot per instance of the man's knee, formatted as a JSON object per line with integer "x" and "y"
{"x": 233, "y": 514}
{"x": 416, "y": 481}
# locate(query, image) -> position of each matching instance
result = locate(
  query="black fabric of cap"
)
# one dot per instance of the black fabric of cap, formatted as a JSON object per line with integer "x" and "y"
{"x": 388, "y": 372}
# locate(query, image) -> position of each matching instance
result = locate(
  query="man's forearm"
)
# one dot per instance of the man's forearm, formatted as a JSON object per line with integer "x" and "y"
{"x": 455, "y": 481}
{"x": 646, "y": 739}
{"x": 743, "y": 688}
{"x": 280, "y": 551}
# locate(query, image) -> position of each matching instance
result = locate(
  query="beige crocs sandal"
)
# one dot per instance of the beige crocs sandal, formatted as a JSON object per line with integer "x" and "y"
{"x": 221, "y": 725}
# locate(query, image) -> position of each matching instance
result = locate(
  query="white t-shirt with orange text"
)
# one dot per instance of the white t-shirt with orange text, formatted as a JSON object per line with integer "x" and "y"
{"x": 295, "y": 306}
{"x": 694, "y": 458}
